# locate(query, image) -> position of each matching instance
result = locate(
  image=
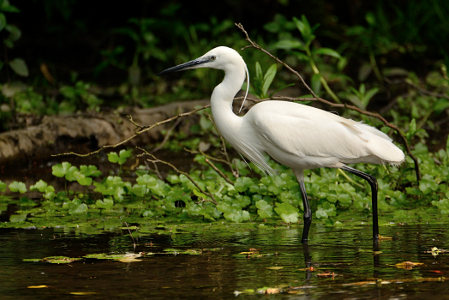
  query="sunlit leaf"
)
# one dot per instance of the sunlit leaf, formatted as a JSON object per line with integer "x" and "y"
{"x": 327, "y": 51}
{"x": 54, "y": 259}
{"x": 17, "y": 187}
{"x": 287, "y": 212}
{"x": 125, "y": 257}
{"x": 40, "y": 186}
{"x": 275, "y": 268}
{"x": 83, "y": 293}
{"x": 60, "y": 170}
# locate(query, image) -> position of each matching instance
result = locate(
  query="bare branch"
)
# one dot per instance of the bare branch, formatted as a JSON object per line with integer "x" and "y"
{"x": 327, "y": 102}
{"x": 140, "y": 129}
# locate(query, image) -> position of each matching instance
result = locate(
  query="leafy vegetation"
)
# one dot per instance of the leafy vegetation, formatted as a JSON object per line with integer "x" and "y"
{"x": 351, "y": 66}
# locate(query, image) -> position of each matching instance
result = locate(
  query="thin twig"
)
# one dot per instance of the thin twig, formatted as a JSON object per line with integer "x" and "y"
{"x": 327, "y": 102}
{"x": 167, "y": 135}
{"x": 211, "y": 164}
{"x": 426, "y": 92}
{"x": 131, "y": 235}
{"x": 258, "y": 47}
{"x": 210, "y": 157}
{"x": 140, "y": 129}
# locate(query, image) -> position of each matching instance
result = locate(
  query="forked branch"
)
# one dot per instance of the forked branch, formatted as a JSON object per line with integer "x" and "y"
{"x": 329, "y": 103}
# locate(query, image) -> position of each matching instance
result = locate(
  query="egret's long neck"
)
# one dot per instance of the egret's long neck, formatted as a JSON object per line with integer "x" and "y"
{"x": 222, "y": 97}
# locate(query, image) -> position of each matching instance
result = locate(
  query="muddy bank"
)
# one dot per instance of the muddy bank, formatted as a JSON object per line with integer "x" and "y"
{"x": 86, "y": 132}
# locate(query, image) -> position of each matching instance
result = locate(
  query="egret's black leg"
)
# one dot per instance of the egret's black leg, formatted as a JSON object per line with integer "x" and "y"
{"x": 307, "y": 212}
{"x": 373, "y": 183}
{"x": 307, "y": 260}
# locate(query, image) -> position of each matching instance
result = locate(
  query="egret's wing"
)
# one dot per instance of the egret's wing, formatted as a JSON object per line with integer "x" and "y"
{"x": 304, "y": 131}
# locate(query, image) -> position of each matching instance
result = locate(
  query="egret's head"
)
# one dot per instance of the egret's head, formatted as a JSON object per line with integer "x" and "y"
{"x": 220, "y": 58}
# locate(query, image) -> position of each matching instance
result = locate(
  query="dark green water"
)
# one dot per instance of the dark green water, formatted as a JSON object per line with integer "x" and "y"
{"x": 221, "y": 272}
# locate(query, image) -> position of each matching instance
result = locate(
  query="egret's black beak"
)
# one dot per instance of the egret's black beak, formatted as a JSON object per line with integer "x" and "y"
{"x": 188, "y": 65}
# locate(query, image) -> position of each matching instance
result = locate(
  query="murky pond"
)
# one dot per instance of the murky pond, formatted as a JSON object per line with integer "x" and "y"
{"x": 223, "y": 262}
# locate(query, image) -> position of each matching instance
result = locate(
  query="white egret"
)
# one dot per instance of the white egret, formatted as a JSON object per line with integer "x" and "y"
{"x": 295, "y": 135}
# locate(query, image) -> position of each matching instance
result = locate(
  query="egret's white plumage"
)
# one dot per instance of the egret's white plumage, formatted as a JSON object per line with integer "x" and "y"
{"x": 296, "y": 135}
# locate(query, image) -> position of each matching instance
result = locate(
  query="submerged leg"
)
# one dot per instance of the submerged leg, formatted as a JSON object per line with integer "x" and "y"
{"x": 373, "y": 183}
{"x": 307, "y": 211}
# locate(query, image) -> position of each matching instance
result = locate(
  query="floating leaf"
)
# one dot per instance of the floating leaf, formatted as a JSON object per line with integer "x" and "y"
{"x": 272, "y": 291}
{"x": 125, "y": 258}
{"x": 408, "y": 265}
{"x": 435, "y": 251}
{"x": 326, "y": 274}
{"x": 54, "y": 259}
{"x": 384, "y": 238}
{"x": 186, "y": 252}
{"x": 275, "y": 268}
{"x": 42, "y": 286}
{"x": 83, "y": 293}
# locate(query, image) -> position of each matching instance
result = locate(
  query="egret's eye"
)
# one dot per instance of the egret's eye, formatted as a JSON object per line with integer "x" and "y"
{"x": 213, "y": 57}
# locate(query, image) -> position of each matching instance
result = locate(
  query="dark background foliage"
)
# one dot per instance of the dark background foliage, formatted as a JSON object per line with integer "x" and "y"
{"x": 70, "y": 35}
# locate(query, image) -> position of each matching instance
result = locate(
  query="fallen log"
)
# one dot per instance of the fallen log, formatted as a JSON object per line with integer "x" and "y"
{"x": 85, "y": 132}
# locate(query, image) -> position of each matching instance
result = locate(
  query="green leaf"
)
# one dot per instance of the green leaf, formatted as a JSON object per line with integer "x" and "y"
{"x": 259, "y": 73}
{"x": 441, "y": 105}
{"x": 316, "y": 83}
{"x": 17, "y": 186}
{"x": 236, "y": 215}
{"x": 78, "y": 209}
{"x": 305, "y": 29}
{"x": 72, "y": 174}
{"x": 90, "y": 170}
{"x": 289, "y": 45}
{"x": 327, "y": 51}
{"x": 19, "y": 67}
{"x": 14, "y": 35}
{"x": 265, "y": 210}
{"x": 2, "y": 21}
{"x": 7, "y": 7}
{"x": 287, "y": 212}
{"x": 113, "y": 157}
{"x": 18, "y": 218}
{"x": 2, "y": 186}
{"x": 139, "y": 190}
{"x": 81, "y": 178}
{"x": 60, "y": 170}
{"x": 40, "y": 186}
{"x": 105, "y": 203}
{"x": 268, "y": 78}
{"x": 121, "y": 157}
{"x": 412, "y": 127}
{"x": 243, "y": 183}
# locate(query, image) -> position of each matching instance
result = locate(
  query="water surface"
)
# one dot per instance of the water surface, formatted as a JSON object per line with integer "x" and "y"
{"x": 243, "y": 260}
